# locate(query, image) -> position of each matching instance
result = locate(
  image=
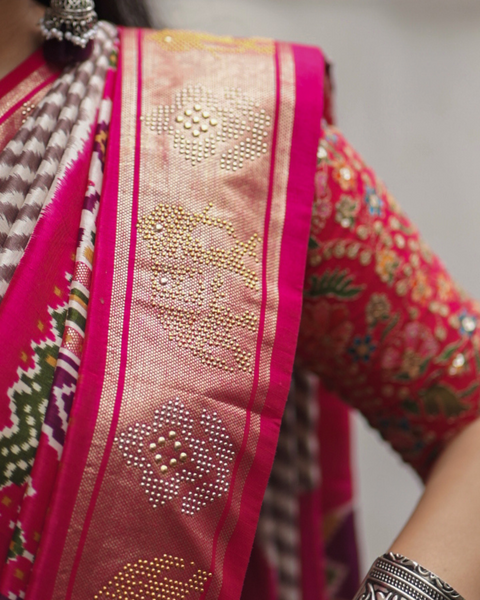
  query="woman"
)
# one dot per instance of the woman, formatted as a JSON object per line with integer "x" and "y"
{"x": 155, "y": 208}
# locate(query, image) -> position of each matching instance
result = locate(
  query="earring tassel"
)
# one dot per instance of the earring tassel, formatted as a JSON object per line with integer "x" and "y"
{"x": 69, "y": 27}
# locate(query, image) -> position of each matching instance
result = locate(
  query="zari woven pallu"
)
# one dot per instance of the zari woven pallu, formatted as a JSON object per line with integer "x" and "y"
{"x": 138, "y": 442}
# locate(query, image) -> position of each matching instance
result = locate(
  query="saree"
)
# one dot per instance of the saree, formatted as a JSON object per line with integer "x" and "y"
{"x": 156, "y": 239}
{"x": 140, "y": 440}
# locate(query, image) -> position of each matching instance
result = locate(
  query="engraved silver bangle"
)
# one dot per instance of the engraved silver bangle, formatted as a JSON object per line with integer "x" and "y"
{"x": 395, "y": 577}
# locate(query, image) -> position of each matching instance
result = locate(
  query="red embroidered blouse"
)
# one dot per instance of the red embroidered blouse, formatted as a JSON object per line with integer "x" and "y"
{"x": 383, "y": 323}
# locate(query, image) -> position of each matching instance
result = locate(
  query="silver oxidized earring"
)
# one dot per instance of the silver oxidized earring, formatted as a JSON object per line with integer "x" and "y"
{"x": 69, "y": 27}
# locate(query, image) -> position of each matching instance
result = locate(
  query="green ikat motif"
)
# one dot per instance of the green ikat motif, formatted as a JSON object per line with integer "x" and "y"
{"x": 28, "y": 403}
{"x": 17, "y": 545}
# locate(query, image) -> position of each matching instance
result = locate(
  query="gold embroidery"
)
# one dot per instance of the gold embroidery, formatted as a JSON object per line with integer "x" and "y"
{"x": 195, "y": 466}
{"x": 200, "y": 123}
{"x": 146, "y": 580}
{"x": 185, "y": 41}
{"x": 188, "y": 297}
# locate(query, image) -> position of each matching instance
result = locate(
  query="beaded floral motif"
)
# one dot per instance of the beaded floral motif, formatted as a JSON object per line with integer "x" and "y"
{"x": 179, "y": 457}
{"x": 154, "y": 580}
{"x": 188, "y": 289}
{"x": 383, "y": 323}
{"x": 203, "y": 125}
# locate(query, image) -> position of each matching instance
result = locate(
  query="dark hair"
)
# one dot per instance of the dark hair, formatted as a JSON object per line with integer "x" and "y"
{"x": 132, "y": 13}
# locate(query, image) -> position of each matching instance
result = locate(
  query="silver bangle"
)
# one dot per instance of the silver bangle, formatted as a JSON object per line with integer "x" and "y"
{"x": 394, "y": 577}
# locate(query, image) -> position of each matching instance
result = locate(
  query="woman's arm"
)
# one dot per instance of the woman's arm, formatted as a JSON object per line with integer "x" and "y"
{"x": 443, "y": 533}
{"x": 387, "y": 329}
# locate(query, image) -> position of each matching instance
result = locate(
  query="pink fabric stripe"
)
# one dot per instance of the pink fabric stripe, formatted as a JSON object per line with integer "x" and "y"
{"x": 26, "y": 98}
{"x": 337, "y": 481}
{"x": 261, "y": 327}
{"x": 261, "y": 580}
{"x": 312, "y": 550}
{"x": 309, "y": 66}
{"x": 85, "y": 408}
{"x": 125, "y": 334}
{"x": 24, "y": 70}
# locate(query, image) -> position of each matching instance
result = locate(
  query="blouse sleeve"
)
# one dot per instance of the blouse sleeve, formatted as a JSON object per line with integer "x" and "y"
{"x": 383, "y": 323}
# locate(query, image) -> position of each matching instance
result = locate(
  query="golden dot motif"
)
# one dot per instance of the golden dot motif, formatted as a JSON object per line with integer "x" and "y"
{"x": 27, "y": 110}
{"x": 165, "y": 578}
{"x": 195, "y": 459}
{"x": 188, "y": 290}
{"x": 202, "y": 126}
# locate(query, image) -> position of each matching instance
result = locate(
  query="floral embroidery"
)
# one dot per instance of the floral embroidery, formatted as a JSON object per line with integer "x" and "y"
{"x": 378, "y": 309}
{"x": 336, "y": 284}
{"x": 345, "y": 177}
{"x": 445, "y": 288}
{"x": 387, "y": 263}
{"x": 333, "y": 326}
{"x": 374, "y": 202}
{"x": 409, "y": 354}
{"x": 383, "y": 324}
{"x": 468, "y": 323}
{"x": 421, "y": 290}
{"x": 322, "y": 207}
{"x": 346, "y": 211}
{"x": 362, "y": 348}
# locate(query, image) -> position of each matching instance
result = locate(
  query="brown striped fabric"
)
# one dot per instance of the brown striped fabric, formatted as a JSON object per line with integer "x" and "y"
{"x": 295, "y": 470}
{"x": 33, "y": 162}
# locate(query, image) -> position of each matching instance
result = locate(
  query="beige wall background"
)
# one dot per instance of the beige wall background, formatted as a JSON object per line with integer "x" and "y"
{"x": 408, "y": 98}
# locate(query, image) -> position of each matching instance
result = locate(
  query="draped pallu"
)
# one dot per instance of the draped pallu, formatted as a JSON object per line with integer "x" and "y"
{"x": 193, "y": 319}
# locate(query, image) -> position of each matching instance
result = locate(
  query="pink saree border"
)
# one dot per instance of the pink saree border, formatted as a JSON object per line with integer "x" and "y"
{"x": 259, "y": 335}
{"x": 309, "y": 67}
{"x": 90, "y": 380}
{"x": 300, "y": 192}
{"x": 24, "y": 70}
{"x": 126, "y": 329}
{"x": 27, "y": 97}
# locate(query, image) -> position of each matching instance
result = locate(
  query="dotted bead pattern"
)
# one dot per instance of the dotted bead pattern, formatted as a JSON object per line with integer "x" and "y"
{"x": 187, "y": 283}
{"x": 201, "y": 124}
{"x": 175, "y": 461}
{"x": 405, "y": 576}
{"x": 148, "y": 580}
{"x": 27, "y": 110}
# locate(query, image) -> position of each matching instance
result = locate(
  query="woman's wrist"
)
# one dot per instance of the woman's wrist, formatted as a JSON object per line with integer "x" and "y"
{"x": 397, "y": 577}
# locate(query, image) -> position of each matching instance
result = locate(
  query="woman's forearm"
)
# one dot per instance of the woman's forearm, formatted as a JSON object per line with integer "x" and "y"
{"x": 443, "y": 534}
